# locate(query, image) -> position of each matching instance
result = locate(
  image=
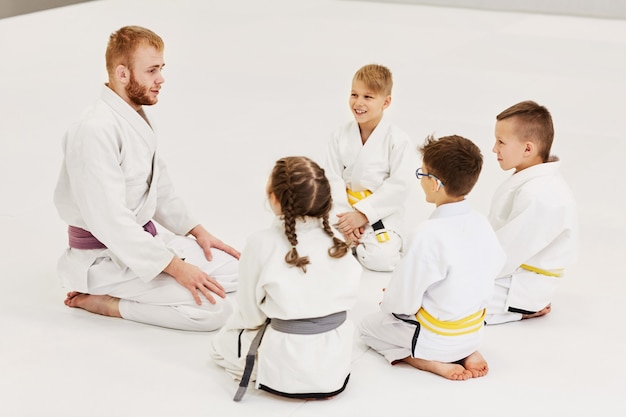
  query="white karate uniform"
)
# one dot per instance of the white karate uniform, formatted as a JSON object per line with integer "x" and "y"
{"x": 534, "y": 215}
{"x": 383, "y": 166}
{"x": 269, "y": 287}
{"x": 449, "y": 270}
{"x": 111, "y": 183}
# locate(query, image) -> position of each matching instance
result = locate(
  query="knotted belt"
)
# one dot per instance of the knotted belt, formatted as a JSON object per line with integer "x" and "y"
{"x": 83, "y": 239}
{"x": 308, "y": 326}
{"x": 470, "y": 324}
{"x": 379, "y": 228}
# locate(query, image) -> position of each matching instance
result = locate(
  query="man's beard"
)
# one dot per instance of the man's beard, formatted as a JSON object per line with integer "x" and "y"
{"x": 138, "y": 94}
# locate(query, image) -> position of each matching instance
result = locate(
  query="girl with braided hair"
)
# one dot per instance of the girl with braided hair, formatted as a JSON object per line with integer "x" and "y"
{"x": 297, "y": 282}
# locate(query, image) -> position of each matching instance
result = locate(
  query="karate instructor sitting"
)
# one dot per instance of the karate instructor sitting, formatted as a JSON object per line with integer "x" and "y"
{"x": 113, "y": 184}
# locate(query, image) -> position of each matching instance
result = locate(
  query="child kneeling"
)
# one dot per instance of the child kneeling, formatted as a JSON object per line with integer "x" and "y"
{"x": 432, "y": 313}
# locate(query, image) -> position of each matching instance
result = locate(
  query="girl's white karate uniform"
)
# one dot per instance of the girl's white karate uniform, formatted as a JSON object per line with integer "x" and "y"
{"x": 269, "y": 287}
{"x": 534, "y": 215}
{"x": 383, "y": 166}
{"x": 448, "y": 269}
{"x": 111, "y": 183}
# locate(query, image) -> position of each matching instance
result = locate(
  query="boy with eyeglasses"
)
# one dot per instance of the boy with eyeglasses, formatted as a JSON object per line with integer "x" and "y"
{"x": 433, "y": 310}
{"x": 533, "y": 213}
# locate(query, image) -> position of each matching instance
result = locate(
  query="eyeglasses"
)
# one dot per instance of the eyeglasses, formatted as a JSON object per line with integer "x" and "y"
{"x": 419, "y": 174}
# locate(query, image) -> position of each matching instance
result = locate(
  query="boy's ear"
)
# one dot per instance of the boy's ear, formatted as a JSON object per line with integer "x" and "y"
{"x": 436, "y": 185}
{"x": 529, "y": 148}
{"x": 387, "y": 102}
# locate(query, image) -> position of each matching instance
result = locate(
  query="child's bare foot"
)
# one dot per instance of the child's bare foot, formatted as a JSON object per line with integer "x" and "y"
{"x": 99, "y": 304}
{"x": 450, "y": 371}
{"x": 476, "y": 364}
{"x": 540, "y": 313}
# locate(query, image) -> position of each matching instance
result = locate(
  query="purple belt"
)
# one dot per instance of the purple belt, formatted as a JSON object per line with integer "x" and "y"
{"x": 83, "y": 239}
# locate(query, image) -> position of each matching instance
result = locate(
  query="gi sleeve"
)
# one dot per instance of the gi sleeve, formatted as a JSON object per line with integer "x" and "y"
{"x": 392, "y": 193}
{"x": 419, "y": 269}
{"x": 532, "y": 225}
{"x": 334, "y": 172}
{"x": 250, "y": 294}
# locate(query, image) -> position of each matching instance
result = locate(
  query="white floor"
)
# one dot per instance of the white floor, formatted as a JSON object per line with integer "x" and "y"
{"x": 249, "y": 82}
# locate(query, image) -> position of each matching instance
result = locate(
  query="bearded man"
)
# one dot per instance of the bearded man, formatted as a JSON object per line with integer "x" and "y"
{"x": 112, "y": 189}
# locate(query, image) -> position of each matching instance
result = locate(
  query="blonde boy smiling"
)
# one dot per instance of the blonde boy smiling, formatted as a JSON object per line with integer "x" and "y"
{"x": 369, "y": 170}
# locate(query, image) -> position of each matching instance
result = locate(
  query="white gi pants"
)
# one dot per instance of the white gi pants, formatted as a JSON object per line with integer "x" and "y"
{"x": 163, "y": 301}
{"x": 497, "y": 311}
{"x": 393, "y": 338}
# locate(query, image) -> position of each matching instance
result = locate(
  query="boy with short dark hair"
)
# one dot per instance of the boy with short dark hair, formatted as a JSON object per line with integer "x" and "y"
{"x": 433, "y": 310}
{"x": 533, "y": 213}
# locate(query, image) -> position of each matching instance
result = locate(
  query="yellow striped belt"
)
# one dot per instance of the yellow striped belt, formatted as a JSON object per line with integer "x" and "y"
{"x": 379, "y": 228}
{"x": 547, "y": 272}
{"x": 466, "y": 325}
{"x": 356, "y": 196}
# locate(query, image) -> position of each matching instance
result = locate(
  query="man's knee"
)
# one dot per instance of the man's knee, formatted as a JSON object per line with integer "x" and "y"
{"x": 206, "y": 317}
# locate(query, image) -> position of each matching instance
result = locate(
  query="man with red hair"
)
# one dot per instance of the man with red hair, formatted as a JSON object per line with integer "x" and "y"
{"x": 112, "y": 186}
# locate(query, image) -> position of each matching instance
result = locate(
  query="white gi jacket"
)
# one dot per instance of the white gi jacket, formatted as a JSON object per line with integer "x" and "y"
{"x": 269, "y": 287}
{"x": 449, "y": 269}
{"x": 534, "y": 215}
{"x": 111, "y": 183}
{"x": 381, "y": 165}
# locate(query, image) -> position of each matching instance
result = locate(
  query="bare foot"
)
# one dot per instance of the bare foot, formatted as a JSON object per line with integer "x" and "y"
{"x": 540, "y": 313}
{"x": 476, "y": 364}
{"x": 450, "y": 371}
{"x": 99, "y": 304}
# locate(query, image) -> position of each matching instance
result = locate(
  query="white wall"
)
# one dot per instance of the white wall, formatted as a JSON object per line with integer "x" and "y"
{"x": 16, "y": 7}
{"x": 615, "y": 9}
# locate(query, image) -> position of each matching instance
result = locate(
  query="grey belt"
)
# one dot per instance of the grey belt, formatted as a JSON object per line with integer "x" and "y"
{"x": 310, "y": 326}
{"x": 314, "y": 325}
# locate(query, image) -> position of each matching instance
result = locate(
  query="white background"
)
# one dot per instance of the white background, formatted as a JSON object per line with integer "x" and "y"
{"x": 248, "y": 82}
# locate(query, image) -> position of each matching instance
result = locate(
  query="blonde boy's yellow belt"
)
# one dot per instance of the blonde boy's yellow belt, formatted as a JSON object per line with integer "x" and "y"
{"x": 379, "y": 228}
{"x": 547, "y": 272}
{"x": 356, "y": 196}
{"x": 466, "y": 325}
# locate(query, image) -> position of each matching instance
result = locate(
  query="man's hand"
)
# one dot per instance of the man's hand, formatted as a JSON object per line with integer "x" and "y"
{"x": 195, "y": 280}
{"x": 208, "y": 241}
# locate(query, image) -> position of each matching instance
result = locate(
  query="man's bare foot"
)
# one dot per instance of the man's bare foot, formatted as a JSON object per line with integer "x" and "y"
{"x": 451, "y": 371}
{"x": 99, "y": 304}
{"x": 476, "y": 364}
{"x": 540, "y": 313}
